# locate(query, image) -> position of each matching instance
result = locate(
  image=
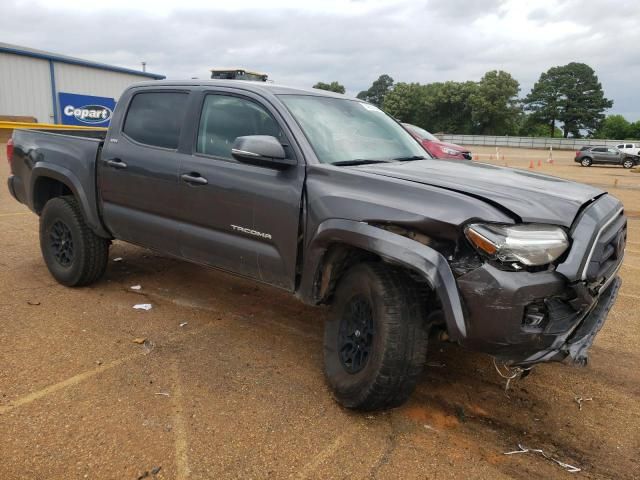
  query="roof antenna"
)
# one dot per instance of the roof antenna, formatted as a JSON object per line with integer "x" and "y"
{"x": 144, "y": 66}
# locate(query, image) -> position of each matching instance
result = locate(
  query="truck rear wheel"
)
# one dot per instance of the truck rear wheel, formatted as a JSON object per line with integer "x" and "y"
{"x": 375, "y": 341}
{"x": 74, "y": 255}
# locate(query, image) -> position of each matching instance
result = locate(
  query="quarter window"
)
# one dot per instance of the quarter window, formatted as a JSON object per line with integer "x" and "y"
{"x": 155, "y": 118}
{"x": 225, "y": 118}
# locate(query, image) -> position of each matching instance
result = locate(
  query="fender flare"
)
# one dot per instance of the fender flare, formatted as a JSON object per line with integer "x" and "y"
{"x": 67, "y": 177}
{"x": 424, "y": 260}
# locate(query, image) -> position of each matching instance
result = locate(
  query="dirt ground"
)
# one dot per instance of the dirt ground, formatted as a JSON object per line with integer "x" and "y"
{"x": 229, "y": 381}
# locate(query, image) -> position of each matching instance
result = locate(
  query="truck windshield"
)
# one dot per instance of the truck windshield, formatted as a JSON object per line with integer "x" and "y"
{"x": 343, "y": 130}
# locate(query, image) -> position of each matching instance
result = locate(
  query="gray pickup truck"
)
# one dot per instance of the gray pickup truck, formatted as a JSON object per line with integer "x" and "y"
{"x": 331, "y": 199}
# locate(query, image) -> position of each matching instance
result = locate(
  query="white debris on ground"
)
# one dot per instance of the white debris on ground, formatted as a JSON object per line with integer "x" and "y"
{"x": 136, "y": 287}
{"x": 117, "y": 259}
{"x": 143, "y": 306}
{"x": 566, "y": 466}
{"x": 581, "y": 400}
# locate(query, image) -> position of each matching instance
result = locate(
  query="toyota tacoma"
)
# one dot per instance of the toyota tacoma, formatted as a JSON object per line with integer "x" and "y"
{"x": 329, "y": 198}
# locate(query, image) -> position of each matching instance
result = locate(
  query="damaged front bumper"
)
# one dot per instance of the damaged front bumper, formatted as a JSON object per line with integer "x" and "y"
{"x": 524, "y": 318}
{"x": 577, "y": 346}
{"x": 522, "y": 326}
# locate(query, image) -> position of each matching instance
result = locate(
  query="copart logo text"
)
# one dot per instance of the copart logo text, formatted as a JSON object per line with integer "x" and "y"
{"x": 89, "y": 113}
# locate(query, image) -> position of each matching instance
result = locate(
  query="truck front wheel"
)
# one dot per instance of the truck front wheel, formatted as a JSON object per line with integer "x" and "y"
{"x": 74, "y": 255}
{"x": 375, "y": 341}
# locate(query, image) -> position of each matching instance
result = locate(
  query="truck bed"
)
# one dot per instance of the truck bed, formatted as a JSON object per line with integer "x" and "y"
{"x": 69, "y": 158}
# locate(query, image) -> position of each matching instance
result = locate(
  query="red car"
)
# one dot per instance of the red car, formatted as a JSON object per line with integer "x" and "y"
{"x": 435, "y": 147}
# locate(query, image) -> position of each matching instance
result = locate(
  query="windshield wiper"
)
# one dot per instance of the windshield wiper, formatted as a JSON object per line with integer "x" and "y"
{"x": 358, "y": 161}
{"x": 408, "y": 159}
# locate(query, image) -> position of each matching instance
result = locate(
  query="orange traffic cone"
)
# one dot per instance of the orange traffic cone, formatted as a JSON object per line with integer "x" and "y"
{"x": 530, "y": 163}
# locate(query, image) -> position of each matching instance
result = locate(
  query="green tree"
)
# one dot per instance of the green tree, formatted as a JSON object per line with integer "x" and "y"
{"x": 634, "y": 130}
{"x": 489, "y": 106}
{"x": 438, "y": 107}
{"x": 448, "y": 107}
{"x": 332, "y": 87}
{"x": 406, "y": 102}
{"x": 615, "y": 127}
{"x": 494, "y": 104}
{"x": 378, "y": 90}
{"x": 528, "y": 126}
{"x": 569, "y": 94}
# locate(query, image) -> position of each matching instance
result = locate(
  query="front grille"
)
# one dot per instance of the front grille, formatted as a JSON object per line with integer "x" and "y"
{"x": 607, "y": 251}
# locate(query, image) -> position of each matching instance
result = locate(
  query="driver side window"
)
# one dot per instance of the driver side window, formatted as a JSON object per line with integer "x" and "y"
{"x": 225, "y": 118}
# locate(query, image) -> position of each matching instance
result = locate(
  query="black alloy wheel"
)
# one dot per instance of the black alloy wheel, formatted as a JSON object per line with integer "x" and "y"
{"x": 61, "y": 243}
{"x": 355, "y": 337}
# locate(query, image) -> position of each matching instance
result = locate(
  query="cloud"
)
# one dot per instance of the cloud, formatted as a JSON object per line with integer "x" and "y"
{"x": 464, "y": 9}
{"x": 351, "y": 42}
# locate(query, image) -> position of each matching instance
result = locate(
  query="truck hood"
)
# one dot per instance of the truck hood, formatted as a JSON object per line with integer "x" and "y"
{"x": 532, "y": 197}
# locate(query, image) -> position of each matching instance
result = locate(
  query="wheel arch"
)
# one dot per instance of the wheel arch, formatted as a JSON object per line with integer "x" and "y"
{"x": 49, "y": 181}
{"x": 45, "y": 188}
{"x": 339, "y": 244}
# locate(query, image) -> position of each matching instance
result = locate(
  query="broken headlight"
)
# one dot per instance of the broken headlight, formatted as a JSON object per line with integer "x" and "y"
{"x": 529, "y": 244}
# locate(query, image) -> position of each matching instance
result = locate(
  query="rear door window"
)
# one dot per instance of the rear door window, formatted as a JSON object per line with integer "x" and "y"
{"x": 599, "y": 149}
{"x": 629, "y": 145}
{"x": 225, "y": 118}
{"x": 155, "y": 118}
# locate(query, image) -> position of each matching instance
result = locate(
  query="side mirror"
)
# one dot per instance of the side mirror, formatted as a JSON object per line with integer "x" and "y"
{"x": 261, "y": 150}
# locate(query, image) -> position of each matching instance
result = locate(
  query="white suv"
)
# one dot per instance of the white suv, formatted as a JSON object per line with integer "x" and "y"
{"x": 631, "y": 148}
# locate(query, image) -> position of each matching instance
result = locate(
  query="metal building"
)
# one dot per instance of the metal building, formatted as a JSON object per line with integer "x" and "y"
{"x": 56, "y": 88}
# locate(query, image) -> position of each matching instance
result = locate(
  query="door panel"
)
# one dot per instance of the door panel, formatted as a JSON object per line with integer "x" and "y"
{"x": 245, "y": 218}
{"x": 613, "y": 156}
{"x": 599, "y": 155}
{"x": 138, "y": 183}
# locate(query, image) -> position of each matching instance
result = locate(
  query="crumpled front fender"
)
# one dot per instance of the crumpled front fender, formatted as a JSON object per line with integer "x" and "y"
{"x": 394, "y": 248}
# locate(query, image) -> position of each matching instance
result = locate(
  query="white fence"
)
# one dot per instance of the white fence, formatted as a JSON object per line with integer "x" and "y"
{"x": 527, "y": 142}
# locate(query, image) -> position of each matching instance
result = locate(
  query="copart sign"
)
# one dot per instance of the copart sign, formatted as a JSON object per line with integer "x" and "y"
{"x": 87, "y": 110}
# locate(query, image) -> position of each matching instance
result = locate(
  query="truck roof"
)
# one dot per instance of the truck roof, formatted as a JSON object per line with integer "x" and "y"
{"x": 258, "y": 87}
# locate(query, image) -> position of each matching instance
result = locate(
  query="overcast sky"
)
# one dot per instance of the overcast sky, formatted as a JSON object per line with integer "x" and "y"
{"x": 351, "y": 41}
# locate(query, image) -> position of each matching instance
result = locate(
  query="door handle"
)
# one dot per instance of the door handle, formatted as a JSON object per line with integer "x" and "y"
{"x": 115, "y": 163}
{"x": 194, "y": 178}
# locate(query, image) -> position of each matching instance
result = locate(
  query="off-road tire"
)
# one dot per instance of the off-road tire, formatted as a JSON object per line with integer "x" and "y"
{"x": 89, "y": 257}
{"x": 399, "y": 342}
{"x": 628, "y": 163}
{"x": 586, "y": 162}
